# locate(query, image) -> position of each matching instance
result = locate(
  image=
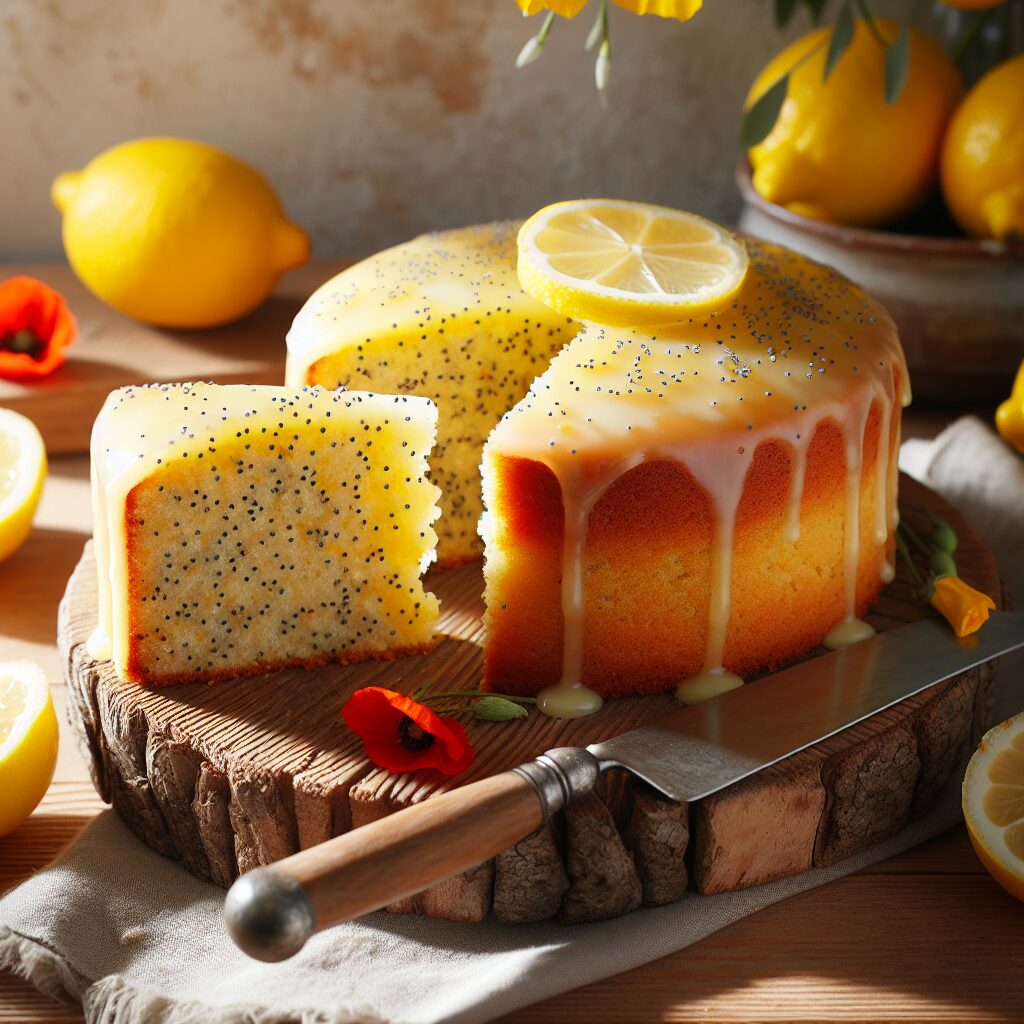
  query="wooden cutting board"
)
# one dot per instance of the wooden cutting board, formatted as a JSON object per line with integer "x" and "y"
{"x": 231, "y": 776}
{"x": 112, "y": 351}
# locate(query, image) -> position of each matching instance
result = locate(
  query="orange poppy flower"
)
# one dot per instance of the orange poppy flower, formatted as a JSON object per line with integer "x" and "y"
{"x": 36, "y": 327}
{"x": 965, "y": 608}
{"x": 401, "y": 735}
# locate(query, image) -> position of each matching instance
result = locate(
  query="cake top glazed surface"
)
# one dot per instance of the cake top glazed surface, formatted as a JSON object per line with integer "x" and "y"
{"x": 798, "y": 337}
{"x": 139, "y": 427}
{"x": 432, "y": 279}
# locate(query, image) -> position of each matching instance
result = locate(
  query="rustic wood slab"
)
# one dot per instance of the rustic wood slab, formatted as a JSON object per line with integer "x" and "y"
{"x": 230, "y": 776}
{"x": 112, "y": 351}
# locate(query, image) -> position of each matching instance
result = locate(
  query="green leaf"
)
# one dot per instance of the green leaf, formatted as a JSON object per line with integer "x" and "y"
{"x": 842, "y": 36}
{"x": 759, "y": 120}
{"x": 814, "y": 8}
{"x": 897, "y": 66}
{"x": 783, "y": 12}
{"x": 498, "y": 709}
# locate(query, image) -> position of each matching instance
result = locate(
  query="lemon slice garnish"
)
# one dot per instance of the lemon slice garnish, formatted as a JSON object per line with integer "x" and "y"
{"x": 28, "y": 740}
{"x": 625, "y": 264}
{"x": 993, "y": 801}
{"x": 22, "y": 471}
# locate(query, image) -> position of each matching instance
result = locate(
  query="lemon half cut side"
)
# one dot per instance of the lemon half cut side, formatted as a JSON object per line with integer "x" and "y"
{"x": 626, "y": 264}
{"x": 22, "y": 472}
{"x": 28, "y": 741}
{"x": 993, "y": 803}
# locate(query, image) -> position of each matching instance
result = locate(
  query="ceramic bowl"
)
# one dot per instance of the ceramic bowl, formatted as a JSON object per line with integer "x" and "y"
{"x": 958, "y": 302}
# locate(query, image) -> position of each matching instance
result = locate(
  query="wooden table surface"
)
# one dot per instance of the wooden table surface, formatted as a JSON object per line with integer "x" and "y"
{"x": 926, "y": 935}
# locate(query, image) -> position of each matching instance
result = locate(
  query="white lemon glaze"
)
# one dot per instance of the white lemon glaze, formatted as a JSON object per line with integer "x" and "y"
{"x": 706, "y": 685}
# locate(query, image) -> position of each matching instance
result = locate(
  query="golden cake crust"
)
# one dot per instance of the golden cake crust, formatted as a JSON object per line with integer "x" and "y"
{"x": 648, "y": 570}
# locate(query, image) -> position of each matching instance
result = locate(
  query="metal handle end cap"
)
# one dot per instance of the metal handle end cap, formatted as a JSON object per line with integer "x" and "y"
{"x": 269, "y": 915}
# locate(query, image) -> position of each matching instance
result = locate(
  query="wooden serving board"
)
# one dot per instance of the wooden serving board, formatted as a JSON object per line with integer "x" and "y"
{"x": 231, "y": 776}
{"x": 112, "y": 351}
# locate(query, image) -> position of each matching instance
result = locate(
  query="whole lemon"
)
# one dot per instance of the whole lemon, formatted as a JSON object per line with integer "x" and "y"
{"x": 176, "y": 233}
{"x": 838, "y": 151}
{"x": 983, "y": 155}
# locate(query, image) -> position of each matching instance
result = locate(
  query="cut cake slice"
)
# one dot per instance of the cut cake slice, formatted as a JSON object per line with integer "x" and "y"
{"x": 240, "y": 529}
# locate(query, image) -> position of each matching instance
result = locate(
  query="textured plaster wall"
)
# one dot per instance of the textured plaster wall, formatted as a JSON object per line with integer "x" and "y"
{"x": 376, "y": 119}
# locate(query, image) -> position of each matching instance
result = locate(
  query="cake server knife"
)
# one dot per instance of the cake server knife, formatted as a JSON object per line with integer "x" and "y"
{"x": 690, "y": 753}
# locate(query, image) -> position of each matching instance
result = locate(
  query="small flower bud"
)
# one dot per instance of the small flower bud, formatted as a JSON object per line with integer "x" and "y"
{"x": 498, "y": 709}
{"x": 944, "y": 536}
{"x": 603, "y": 66}
{"x": 530, "y": 51}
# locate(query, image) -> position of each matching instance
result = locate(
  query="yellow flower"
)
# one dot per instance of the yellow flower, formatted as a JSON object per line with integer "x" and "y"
{"x": 566, "y": 8}
{"x": 965, "y": 608}
{"x": 681, "y": 10}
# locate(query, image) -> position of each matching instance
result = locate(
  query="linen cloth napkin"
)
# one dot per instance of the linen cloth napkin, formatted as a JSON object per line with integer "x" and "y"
{"x": 978, "y": 472}
{"x": 138, "y": 940}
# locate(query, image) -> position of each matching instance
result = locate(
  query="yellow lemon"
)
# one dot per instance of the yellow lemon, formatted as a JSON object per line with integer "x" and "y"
{"x": 176, "y": 233}
{"x": 1010, "y": 414}
{"x": 22, "y": 472}
{"x": 838, "y": 151}
{"x": 993, "y": 801}
{"x": 983, "y": 155}
{"x": 628, "y": 264}
{"x": 28, "y": 741}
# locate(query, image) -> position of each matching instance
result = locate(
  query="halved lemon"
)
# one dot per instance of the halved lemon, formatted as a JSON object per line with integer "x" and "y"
{"x": 610, "y": 261}
{"x": 993, "y": 800}
{"x": 28, "y": 741}
{"x": 22, "y": 472}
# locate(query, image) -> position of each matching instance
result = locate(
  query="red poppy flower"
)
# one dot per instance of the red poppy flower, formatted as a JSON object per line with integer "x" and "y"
{"x": 401, "y": 735}
{"x": 36, "y": 327}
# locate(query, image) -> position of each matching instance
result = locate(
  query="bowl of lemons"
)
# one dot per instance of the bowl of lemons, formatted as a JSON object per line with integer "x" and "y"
{"x": 920, "y": 199}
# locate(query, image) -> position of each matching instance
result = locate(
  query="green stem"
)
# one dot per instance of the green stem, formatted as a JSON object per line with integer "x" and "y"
{"x": 480, "y": 693}
{"x": 920, "y": 544}
{"x": 542, "y": 35}
{"x": 972, "y": 36}
{"x": 904, "y": 552}
{"x": 457, "y": 709}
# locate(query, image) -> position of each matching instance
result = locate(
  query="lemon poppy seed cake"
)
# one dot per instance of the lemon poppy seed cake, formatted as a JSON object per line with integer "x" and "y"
{"x": 244, "y": 528}
{"x": 696, "y": 502}
{"x": 441, "y": 316}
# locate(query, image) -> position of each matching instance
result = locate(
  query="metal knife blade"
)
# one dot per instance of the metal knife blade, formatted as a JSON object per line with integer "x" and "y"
{"x": 697, "y": 751}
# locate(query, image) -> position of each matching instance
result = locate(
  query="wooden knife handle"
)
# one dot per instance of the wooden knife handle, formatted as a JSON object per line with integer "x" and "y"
{"x": 271, "y": 911}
